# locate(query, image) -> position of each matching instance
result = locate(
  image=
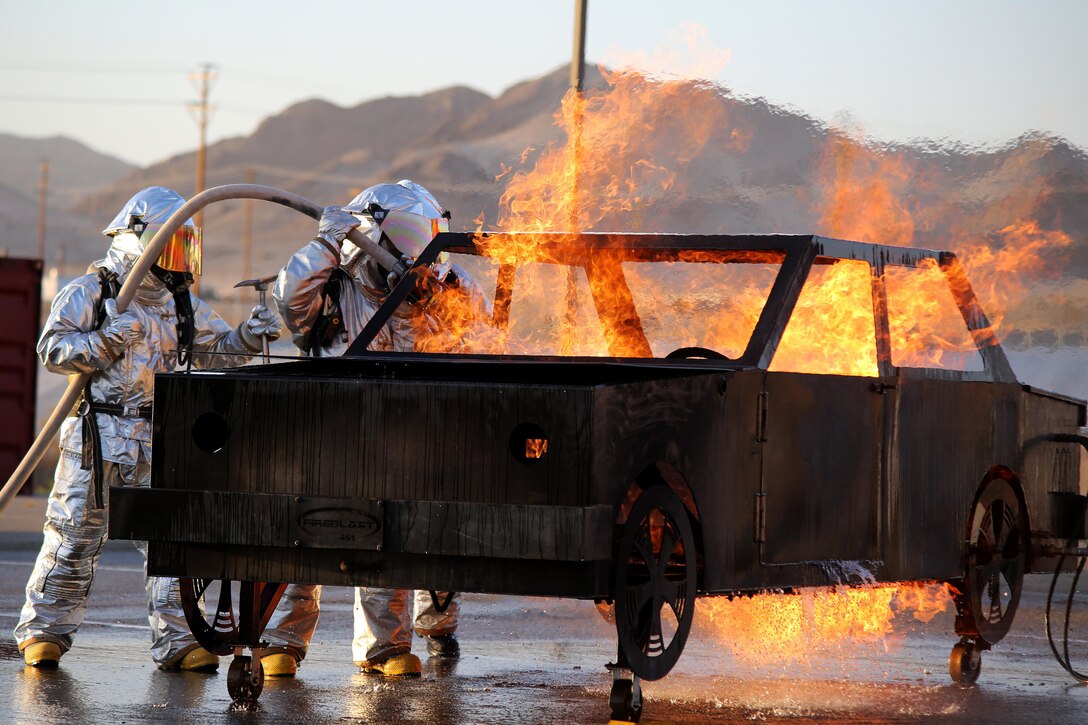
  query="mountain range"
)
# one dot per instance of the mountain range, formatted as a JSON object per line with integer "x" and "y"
{"x": 756, "y": 167}
{"x": 74, "y": 172}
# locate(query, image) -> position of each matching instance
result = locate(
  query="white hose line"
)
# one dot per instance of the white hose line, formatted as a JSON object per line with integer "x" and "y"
{"x": 76, "y": 383}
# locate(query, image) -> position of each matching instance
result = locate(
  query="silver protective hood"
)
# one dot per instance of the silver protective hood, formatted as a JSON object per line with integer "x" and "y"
{"x": 408, "y": 214}
{"x": 153, "y": 205}
{"x": 405, "y": 195}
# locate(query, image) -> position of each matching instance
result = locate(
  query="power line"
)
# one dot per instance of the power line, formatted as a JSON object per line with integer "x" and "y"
{"x": 304, "y": 176}
{"x": 80, "y": 66}
{"x": 204, "y": 78}
{"x": 243, "y": 109}
{"x": 43, "y": 188}
{"x": 232, "y": 108}
{"x": 231, "y": 172}
{"x": 93, "y": 101}
{"x": 279, "y": 81}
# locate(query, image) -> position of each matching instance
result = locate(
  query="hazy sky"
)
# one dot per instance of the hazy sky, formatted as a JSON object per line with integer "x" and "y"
{"x": 115, "y": 73}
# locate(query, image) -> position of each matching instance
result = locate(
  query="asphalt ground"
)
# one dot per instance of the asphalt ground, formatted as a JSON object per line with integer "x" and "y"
{"x": 527, "y": 660}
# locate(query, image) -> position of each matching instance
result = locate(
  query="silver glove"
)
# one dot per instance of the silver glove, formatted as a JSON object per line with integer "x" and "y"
{"x": 122, "y": 328}
{"x": 334, "y": 225}
{"x": 262, "y": 322}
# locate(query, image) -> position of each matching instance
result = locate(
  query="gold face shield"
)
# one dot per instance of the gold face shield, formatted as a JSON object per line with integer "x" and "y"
{"x": 182, "y": 252}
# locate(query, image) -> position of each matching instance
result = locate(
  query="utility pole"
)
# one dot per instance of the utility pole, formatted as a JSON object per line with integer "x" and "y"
{"x": 43, "y": 190}
{"x": 577, "y": 83}
{"x": 578, "y": 61}
{"x": 567, "y": 335}
{"x": 577, "y": 77}
{"x": 203, "y": 79}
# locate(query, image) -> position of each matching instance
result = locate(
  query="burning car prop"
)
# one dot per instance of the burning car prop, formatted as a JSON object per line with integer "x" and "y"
{"x": 678, "y": 434}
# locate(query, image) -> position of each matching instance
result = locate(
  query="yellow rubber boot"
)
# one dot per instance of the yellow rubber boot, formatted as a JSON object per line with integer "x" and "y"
{"x": 279, "y": 664}
{"x": 405, "y": 665}
{"x": 42, "y": 654}
{"x": 199, "y": 660}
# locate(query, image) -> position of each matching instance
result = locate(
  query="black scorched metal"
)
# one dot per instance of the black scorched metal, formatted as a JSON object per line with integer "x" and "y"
{"x": 663, "y": 479}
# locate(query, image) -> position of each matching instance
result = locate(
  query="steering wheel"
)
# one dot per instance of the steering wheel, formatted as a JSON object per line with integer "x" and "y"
{"x": 704, "y": 353}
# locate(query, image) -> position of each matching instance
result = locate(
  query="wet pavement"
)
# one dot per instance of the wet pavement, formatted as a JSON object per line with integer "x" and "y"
{"x": 527, "y": 660}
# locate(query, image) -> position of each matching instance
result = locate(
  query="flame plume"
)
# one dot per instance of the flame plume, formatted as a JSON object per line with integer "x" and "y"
{"x": 768, "y": 628}
{"x": 629, "y": 150}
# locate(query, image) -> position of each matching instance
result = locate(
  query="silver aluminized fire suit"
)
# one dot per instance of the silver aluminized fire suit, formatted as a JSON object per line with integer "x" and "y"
{"x": 383, "y": 617}
{"x": 75, "y": 527}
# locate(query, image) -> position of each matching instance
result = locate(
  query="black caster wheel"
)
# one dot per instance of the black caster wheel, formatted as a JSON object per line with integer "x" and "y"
{"x": 965, "y": 662}
{"x": 998, "y": 544}
{"x": 233, "y": 623}
{"x": 625, "y": 700}
{"x": 245, "y": 680}
{"x": 655, "y": 583}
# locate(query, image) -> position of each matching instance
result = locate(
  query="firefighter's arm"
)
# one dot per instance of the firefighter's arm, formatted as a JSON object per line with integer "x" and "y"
{"x": 70, "y": 344}
{"x": 297, "y": 292}
{"x": 231, "y": 346}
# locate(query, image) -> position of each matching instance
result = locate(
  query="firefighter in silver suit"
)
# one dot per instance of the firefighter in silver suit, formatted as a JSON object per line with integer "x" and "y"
{"x": 331, "y": 272}
{"x": 108, "y": 441}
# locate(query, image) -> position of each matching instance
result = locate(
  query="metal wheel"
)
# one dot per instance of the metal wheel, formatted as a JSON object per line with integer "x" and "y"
{"x": 655, "y": 583}
{"x": 225, "y": 631}
{"x": 245, "y": 680}
{"x": 625, "y": 701}
{"x": 997, "y": 548}
{"x": 965, "y": 662}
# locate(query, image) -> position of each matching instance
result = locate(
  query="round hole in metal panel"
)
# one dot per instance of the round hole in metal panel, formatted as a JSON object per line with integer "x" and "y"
{"x": 210, "y": 432}
{"x": 528, "y": 443}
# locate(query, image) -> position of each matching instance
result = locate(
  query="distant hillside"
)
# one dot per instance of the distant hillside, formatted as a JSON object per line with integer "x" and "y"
{"x": 74, "y": 172}
{"x": 453, "y": 141}
{"x": 759, "y": 168}
{"x": 74, "y": 169}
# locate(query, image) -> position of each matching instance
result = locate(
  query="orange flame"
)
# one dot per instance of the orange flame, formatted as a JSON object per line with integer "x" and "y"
{"x": 863, "y": 194}
{"x": 621, "y": 157}
{"x": 868, "y": 195}
{"x": 536, "y": 447}
{"x": 766, "y": 628}
{"x": 1020, "y": 252}
{"x": 832, "y": 329}
{"x": 927, "y": 329}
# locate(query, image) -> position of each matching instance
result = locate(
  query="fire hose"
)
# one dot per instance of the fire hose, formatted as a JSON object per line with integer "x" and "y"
{"x": 1063, "y": 656}
{"x": 1076, "y": 507}
{"x": 76, "y": 383}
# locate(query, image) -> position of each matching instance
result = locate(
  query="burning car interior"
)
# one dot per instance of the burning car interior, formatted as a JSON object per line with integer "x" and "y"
{"x": 645, "y": 420}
